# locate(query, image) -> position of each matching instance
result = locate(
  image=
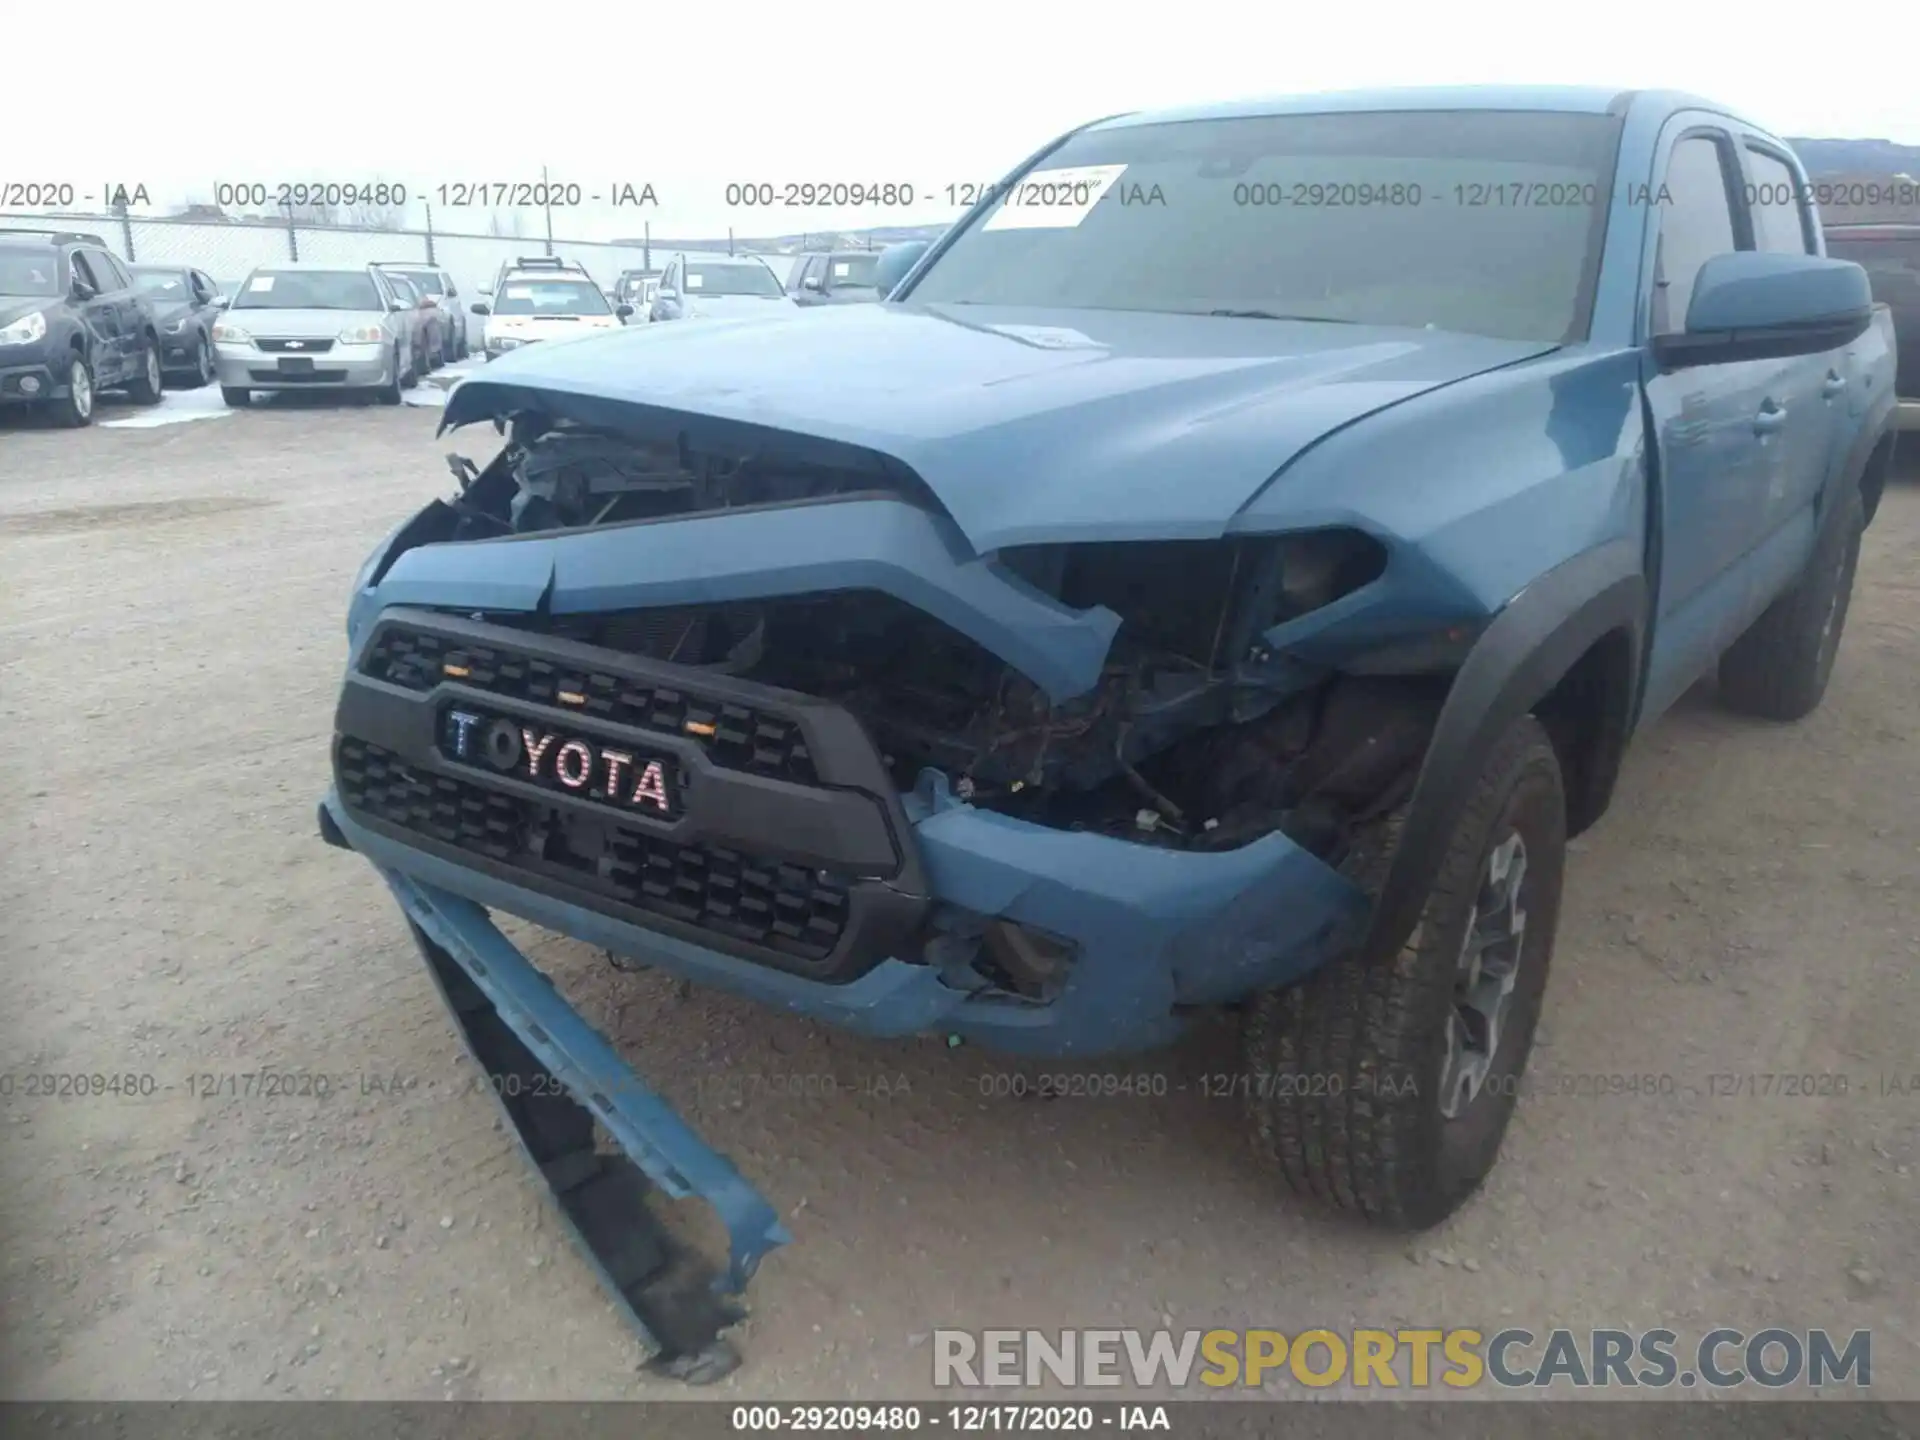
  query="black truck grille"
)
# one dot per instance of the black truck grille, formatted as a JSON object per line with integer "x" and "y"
{"x": 734, "y": 736}
{"x": 771, "y": 903}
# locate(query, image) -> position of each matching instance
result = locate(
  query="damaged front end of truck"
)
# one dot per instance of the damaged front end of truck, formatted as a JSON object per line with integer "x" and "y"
{"x": 754, "y": 706}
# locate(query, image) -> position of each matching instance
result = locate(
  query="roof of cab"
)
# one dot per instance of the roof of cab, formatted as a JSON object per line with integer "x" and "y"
{"x": 1571, "y": 99}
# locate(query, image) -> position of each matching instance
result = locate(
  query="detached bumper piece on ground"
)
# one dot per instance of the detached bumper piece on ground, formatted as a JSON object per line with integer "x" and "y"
{"x": 532, "y": 1043}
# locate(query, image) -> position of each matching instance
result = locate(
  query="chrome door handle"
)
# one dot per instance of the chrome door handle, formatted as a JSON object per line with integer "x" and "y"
{"x": 1770, "y": 419}
{"x": 1835, "y": 383}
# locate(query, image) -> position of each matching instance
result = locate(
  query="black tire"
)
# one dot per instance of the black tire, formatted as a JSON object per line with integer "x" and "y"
{"x": 1344, "y": 1071}
{"x": 237, "y": 396}
{"x": 203, "y": 363}
{"x": 389, "y": 393}
{"x": 75, "y": 408}
{"x": 1779, "y": 668}
{"x": 149, "y": 383}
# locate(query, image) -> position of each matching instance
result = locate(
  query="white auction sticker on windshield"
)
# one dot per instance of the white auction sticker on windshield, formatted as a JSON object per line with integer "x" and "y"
{"x": 260, "y": 282}
{"x": 694, "y": 282}
{"x": 519, "y": 292}
{"x": 1053, "y": 199}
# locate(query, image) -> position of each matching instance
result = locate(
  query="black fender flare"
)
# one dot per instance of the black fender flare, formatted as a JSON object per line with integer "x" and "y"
{"x": 1529, "y": 646}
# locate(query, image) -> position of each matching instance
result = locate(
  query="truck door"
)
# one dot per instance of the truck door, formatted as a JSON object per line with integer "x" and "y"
{"x": 1799, "y": 454}
{"x": 1716, "y": 428}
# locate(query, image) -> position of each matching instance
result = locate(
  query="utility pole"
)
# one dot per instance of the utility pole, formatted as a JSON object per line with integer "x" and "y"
{"x": 646, "y": 245}
{"x": 546, "y": 196}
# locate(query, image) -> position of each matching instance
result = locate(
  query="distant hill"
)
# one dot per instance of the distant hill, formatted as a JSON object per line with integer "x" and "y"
{"x": 1857, "y": 157}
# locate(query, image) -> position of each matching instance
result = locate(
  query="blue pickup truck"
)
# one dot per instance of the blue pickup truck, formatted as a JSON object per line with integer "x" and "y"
{"x": 1222, "y": 574}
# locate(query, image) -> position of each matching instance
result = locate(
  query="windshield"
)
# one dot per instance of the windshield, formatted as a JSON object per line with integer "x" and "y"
{"x": 425, "y": 281}
{"x": 1478, "y": 221}
{"x": 551, "y": 297}
{"x": 28, "y": 272}
{"x": 732, "y": 280}
{"x": 852, "y": 271}
{"x": 308, "y": 290}
{"x": 163, "y": 284}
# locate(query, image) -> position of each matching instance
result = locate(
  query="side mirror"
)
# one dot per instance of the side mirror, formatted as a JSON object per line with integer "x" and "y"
{"x": 82, "y": 290}
{"x": 480, "y": 309}
{"x": 220, "y": 302}
{"x": 669, "y": 295}
{"x": 812, "y": 282}
{"x": 1751, "y": 305}
{"x": 625, "y": 312}
{"x": 398, "y": 304}
{"x": 894, "y": 263}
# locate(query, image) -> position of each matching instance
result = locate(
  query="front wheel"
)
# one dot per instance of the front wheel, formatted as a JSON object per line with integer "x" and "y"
{"x": 237, "y": 396}
{"x": 147, "y": 385}
{"x": 76, "y": 407}
{"x": 203, "y": 364}
{"x": 389, "y": 393}
{"x": 1382, "y": 1085}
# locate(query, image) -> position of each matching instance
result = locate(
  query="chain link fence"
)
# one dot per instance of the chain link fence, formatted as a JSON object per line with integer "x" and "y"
{"x": 228, "y": 250}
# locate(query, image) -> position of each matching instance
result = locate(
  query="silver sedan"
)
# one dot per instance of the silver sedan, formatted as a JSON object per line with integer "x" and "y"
{"x": 314, "y": 327}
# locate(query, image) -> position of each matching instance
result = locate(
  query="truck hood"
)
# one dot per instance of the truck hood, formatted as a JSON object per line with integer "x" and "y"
{"x": 1029, "y": 426}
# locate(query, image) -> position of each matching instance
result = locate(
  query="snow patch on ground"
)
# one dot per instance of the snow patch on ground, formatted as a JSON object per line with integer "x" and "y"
{"x": 436, "y": 387}
{"x": 176, "y": 407}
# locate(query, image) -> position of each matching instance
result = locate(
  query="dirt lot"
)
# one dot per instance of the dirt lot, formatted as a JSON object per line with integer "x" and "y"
{"x": 171, "y": 606}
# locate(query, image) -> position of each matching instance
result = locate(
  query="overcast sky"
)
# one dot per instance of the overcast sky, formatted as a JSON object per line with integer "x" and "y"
{"x": 690, "y": 96}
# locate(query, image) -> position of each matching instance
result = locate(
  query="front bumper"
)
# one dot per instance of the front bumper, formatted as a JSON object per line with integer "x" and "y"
{"x": 26, "y": 378}
{"x": 531, "y": 1044}
{"x": 822, "y": 892}
{"x": 344, "y": 367}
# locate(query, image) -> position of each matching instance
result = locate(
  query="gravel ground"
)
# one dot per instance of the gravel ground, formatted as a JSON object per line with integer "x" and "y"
{"x": 171, "y": 603}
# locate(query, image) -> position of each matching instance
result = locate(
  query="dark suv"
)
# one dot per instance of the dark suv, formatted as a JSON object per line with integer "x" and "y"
{"x": 1891, "y": 254}
{"x": 72, "y": 322}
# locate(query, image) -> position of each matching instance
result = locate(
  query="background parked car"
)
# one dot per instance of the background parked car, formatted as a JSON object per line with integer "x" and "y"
{"x": 558, "y": 264}
{"x": 307, "y": 326}
{"x": 718, "y": 287}
{"x": 837, "y": 277}
{"x": 637, "y": 288}
{"x": 423, "y": 324}
{"x": 1891, "y": 256}
{"x": 545, "y": 304}
{"x": 443, "y": 294}
{"x": 185, "y": 306}
{"x": 71, "y": 322}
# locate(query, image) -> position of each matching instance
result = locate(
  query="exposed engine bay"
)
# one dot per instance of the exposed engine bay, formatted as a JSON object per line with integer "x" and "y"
{"x": 1180, "y": 744}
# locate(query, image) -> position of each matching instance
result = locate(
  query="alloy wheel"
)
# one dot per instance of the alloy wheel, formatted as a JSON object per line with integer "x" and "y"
{"x": 1484, "y": 979}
